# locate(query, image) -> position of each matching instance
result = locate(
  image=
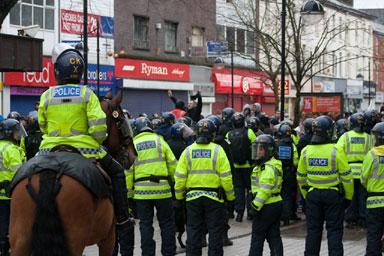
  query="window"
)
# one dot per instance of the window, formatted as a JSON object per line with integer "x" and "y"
{"x": 36, "y": 12}
{"x": 141, "y": 29}
{"x": 251, "y": 42}
{"x": 197, "y": 37}
{"x": 240, "y": 40}
{"x": 231, "y": 37}
{"x": 170, "y": 36}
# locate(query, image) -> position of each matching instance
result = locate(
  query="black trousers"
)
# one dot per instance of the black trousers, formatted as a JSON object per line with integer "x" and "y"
{"x": 324, "y": 205}
{"x": 165, "y": 216}
{"x": 356, "y": 212}
{"x": 288, "y": 193}
{"x": 4, "y": 224}
{"x": 200, "y": 211}
{"x": 266, "y": 226}
{"x": 242, "y": 186}
{"x": 375, "y": 227}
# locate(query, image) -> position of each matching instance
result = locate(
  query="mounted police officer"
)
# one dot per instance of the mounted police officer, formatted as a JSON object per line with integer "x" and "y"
{"x": 356, "y": 143}
{"x": 70, "y": 114}
{"x": 371, "y": 178}
{"x": 11, "y": 157}
{"x": 203, "y": 177}
{"x": 325, "y": 181}
{"x": 149, "y": 179}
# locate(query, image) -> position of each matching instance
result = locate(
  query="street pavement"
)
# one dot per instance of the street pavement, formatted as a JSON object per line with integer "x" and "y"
{"x": 293, "y": 241}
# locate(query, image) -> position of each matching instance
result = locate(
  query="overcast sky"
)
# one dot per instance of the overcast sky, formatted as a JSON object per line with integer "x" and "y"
{"x": 367, "y": 4}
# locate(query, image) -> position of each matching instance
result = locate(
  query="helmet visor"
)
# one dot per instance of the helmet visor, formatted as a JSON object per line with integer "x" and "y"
{"x": 20, "y": 133}
{"x": 259, "y": 151}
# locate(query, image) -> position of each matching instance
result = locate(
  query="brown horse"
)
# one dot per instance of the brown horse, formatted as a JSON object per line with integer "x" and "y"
{"x": 65, "y": 221}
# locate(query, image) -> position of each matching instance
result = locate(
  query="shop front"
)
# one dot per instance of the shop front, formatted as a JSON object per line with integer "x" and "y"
{"x": 248, "y": 88}
{"x": 146, "y": 84}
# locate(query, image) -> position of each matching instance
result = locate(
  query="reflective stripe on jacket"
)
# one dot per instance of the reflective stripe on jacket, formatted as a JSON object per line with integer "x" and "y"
{"x": 72, "y": 115}
{"x": 266, "y": 181}
{"x": 154, "y": 158}
{"x": 203, "y": 166}
{"x": 324, "y": 167}
{"x": 11, "y": 158}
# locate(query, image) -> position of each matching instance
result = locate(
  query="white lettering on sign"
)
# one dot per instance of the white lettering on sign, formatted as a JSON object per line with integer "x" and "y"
{"x": 67, "y": 91}
{"x": 128, "y": 68}
{"x": 149, "y": 70}
{"x": 38, "y": 77}
{"x": 178, "y": 72}
{"x": 92, "y": 75}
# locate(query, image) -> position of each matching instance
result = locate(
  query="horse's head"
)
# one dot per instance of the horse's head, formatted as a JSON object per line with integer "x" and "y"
{"x": 119, "y": 138}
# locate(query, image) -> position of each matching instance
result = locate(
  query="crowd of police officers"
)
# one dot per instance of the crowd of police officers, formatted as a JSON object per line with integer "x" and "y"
{"x": 200, "y": 172}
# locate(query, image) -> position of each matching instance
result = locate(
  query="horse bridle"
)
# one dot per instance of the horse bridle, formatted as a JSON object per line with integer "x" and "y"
{"x": 119, "y": 119}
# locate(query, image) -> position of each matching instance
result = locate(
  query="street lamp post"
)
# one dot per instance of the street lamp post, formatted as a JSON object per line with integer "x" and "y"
{"x": 85, "y": 38}
{"x": 282, "y": 80}
{"x": 232, "y": 79}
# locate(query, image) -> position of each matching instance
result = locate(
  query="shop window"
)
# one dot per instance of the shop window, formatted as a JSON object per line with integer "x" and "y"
{"x": 197, "y": 37}
{"x": 170, "y": 36}
{"x": 141, "y": 29}
{"x": 36, "y": 12}
{"x": 251, "y": 44}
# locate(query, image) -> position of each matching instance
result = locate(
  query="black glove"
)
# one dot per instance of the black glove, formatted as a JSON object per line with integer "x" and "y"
{"x": 346, "y": 203}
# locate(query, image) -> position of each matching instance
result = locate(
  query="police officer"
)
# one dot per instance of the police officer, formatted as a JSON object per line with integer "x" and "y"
{"x": 149, "y": 178}
{"x": 266, "y": 204}
{"x": 341, "y": 127}
{"x": 306, "y": 138}
{"x": 71, "y": 114}
{"x": 287, "y": 153}
{"x": 11, "y": 157}
{"x": 168, "y": 119}
{"x": 254, "y": 124}
{"x": 240, "y": 141}
{"x": 325, "y": 181}
{"x": 203, "y": 177}
{"x": 371, "y": 178}
{"x": 356, "y": 144}
{"x": 226, "y": 125}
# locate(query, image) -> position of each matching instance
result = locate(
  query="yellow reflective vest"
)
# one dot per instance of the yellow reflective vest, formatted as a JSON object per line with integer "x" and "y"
{"x": 203, "y": 166}
{"x": 11, "y": 158}
{"x": 324, "y": 167}
{"x": 150, "y": 175}
{"x": 72, "y": 115}
{"x": 266, "y": 181}
{"x": 372, "y": 177}
{"x": 355, "y": 145}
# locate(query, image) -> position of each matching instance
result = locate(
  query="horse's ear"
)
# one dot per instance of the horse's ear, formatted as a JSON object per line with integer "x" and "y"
{"x": 118, "y": 98}
{"x": 109, "y": 95}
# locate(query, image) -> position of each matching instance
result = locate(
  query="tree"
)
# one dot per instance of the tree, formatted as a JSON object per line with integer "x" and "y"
{"x": 5, "y": 8}
{"x": 311, "y": 48}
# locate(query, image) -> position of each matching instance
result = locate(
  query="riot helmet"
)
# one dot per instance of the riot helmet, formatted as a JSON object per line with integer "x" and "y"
{"x": 284, "y": 132}
{"x": 206, "y": 131}
{"x": 263, "y": 149}
{"x": 307, "y": 124}
{"x": 324, "y": 130}
{"x": 11, "y": 129}
{"x": 68, "y": 64}
{"x": 356, "y": 122}
{"x": 14, "y": 115}
{"x": 169, "y": 118}
{"x": 253, "y": 123}
{"x": 226, "y": 114}
{"x": 216, "y": 121}
{"x": 238, "y": 120}
{"x": 142, "y": 124}
{"x": 180, "y": 131}
{"x": 341, "y": 126}
{"x": 371, "y": 118}
{"x": 156, "y": 123}
{"x": 378, "y": 132}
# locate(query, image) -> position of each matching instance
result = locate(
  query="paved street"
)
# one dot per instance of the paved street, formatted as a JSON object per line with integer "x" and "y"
{"x": 293, "y": 241}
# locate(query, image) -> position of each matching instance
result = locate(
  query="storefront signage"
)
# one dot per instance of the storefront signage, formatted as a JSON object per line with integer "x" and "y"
{"x": 244, "y": 82}
{"x": 72, "y": 23}
{"x": 38, "y": 79}
{"x": 106, "y": 76}
{"x": 322, "y": 104}
{"x": 151, "y": 70}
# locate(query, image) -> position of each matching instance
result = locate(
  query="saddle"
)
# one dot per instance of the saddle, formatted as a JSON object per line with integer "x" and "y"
{"x": 67, "y": 160}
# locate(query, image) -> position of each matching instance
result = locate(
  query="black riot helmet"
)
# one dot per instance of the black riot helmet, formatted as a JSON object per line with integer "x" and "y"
{"x": 307, "y": 124}
{"x": 253, "y": 123}
{"x": 356, "y": 122}
{"x": 341, "y": 127}
{"x": 284, "y": 132}
{"x": 14, "y": 115}
{"x": 324, "y": 130}
{"x": 264, "y": 148}
{"x": 216, "y": 121}
{"x": 68, "y": 64}
{"x": 11, "y": 129}
{"x": 226, "y": 114}
{"x": 206, "y": 131}
{"x": 371, "y": 118}
{"x": 378, "y": 132}
{"x": 143, "y": 124}
{"x": 156, "y": 123}
{"x": 169, "y": 118}
{"x": 238, "y": 120}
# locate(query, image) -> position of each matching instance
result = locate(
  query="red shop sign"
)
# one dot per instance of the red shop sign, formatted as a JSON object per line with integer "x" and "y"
{"x": 151, "y": 70}
{"x": 39, "y": 79}
{"x": 72, "y": 23}
{"x": 321, "y": 104}
{"x": 244, "y": 82}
